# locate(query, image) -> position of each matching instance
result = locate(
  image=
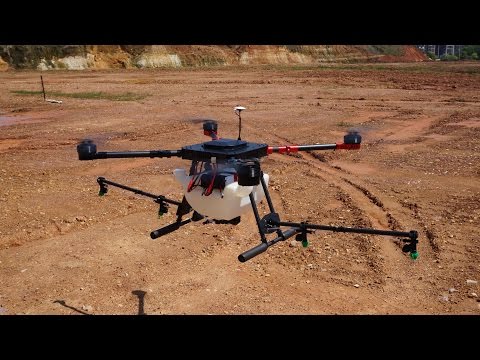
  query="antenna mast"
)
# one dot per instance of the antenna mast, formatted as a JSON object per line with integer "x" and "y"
{"x": 238, "y": 109}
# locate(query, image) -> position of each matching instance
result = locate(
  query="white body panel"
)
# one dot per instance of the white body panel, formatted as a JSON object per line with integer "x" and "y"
{"x": 235, "y": 199}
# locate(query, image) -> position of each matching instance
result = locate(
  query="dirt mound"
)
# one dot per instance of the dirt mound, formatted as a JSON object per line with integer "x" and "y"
{"x": 408, "y": 54}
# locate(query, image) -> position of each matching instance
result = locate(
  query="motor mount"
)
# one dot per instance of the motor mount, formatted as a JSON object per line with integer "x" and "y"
{"x": 352, "y": 137}
{"x": 210, "y": 128}
{"x": 248, "y": 172}
{"x": 86, "y": 150}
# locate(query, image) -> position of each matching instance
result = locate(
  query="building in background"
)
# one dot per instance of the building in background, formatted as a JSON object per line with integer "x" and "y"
{"x": 441, "y": 50}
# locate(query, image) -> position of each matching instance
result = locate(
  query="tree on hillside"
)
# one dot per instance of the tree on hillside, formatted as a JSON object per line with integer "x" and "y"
{"x": 470, "y": 52}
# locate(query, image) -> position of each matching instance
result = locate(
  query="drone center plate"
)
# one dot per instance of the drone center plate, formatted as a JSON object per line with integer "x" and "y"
{"x": 224, "y": 144}
{"x": 224, "y": 149}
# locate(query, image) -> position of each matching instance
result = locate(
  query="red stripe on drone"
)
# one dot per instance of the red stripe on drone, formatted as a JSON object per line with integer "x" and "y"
{"x": 348, "y": 146}
{"x": 282, "y": 149}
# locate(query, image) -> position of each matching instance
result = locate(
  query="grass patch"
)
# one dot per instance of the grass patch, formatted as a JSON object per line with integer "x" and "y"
{"x": 26, "y": 92}
{"x": 469, "y": 70}
{"x": 426, "y": 67}
{"x": 98, "y": 95}
{"x": 344, "y": 124}
{"x": 394, "y": 50}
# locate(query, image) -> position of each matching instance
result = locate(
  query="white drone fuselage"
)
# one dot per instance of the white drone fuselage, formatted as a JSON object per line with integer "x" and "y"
{"x": 227, "y": 204}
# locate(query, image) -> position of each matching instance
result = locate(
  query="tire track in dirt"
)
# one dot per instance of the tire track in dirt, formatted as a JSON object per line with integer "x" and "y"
{"x": 340, "y": 180}
{"x": 379, "y": 212}
{"x": 429, "y": 233}
{"x": 383, "y": 207}
{"x": 360, "y": 195}
{"x": 369, "y": 205}
{"x": 394, "y": 224}
{"x": 339, "y": 173}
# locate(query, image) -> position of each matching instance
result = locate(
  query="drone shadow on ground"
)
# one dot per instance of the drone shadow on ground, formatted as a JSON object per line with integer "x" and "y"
{"x": 139, "y": 293}
{"x": 141, "y": 301}
{"x": 62, "y": 302}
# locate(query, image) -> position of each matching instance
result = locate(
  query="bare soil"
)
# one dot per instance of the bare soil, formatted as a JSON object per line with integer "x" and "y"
{"x": 65, "y": 250}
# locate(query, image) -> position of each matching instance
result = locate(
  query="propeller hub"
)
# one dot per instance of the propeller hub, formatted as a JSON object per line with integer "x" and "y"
{"x": 86, "y": 150}
{"x": 352, "y": 138}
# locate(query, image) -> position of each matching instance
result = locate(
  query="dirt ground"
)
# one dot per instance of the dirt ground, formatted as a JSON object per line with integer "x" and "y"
{"x": 65, "y": 250}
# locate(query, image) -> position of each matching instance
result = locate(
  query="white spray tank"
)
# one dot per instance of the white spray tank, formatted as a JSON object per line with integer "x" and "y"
{"x": 227, "y": 204}
{"x": 231, "y": 199}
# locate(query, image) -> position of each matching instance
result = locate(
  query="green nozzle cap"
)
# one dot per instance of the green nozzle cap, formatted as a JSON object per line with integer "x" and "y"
{"x": 101, "y": 193}
{"x": 414, "y": 255}
{"x": 305, "y": 243}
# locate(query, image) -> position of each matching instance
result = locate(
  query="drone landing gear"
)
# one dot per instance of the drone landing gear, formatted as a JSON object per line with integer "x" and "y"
{"x": 183, "y": 207}
{"x": 234, "y": 221}
{"x": 159, "y": 199}
{"x": 271, "y": 223}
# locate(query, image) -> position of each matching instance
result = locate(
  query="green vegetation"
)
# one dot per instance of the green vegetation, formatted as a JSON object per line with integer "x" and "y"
{"x": 26, "y": 92}
{"x": 393, "y": 50}
{"x": 29, "y": 56}
{"x": 344, "y": 124}
{"x": 99, "y": 95}
{"x": 427, "y": 67}
{"x": 448, "y": 57}
{"x": 470, "y": 52}
{"x": 431, "y": 55}
{"x": 467, "y": 70}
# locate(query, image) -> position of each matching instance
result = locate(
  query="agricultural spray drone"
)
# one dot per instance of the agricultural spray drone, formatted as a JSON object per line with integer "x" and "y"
{"x": 225, "y": 180}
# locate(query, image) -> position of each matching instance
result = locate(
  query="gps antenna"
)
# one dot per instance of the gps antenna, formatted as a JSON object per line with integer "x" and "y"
{"x": 238, "y": 110}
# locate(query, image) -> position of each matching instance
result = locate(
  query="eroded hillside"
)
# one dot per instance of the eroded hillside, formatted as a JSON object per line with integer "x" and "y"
{"x": 80, "y": 57}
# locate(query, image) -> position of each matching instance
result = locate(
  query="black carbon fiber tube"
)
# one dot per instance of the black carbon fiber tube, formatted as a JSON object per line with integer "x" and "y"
{"x": 411, "y": 234}
{"x": 135, "y": 154}
{"x": 295, "y": 148}
{"x": 87, "y": 150}
{"x": 168, "y": 229}
{"x": 257, "y": 250}
{"x": 317, "y": 147}
{"x": 102, "y": 180}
